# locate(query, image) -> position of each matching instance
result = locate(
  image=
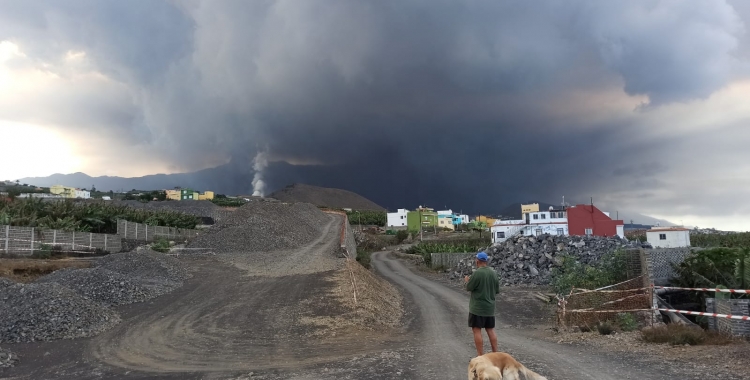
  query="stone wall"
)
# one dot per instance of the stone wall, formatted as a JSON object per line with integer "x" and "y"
{"x": 660, "y": 262}
{"x": 733, "y": 307}
{"x": 448, "y": 260}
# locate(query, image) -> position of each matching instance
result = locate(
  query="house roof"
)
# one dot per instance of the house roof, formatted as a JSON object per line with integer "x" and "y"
{"x": 660, "y": 229}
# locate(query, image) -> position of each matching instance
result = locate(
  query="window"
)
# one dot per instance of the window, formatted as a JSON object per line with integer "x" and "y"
{"x": 560, "y": 231}
{"x": 536, "y": 216}
{"x": 538, "y": 231}
{"x": 589, "y": 231}
{"x": 544, "y": 216}
{"x": 402, "y": 217}
{"x": 501, "y": 235}
{"x": 662, "y": 236}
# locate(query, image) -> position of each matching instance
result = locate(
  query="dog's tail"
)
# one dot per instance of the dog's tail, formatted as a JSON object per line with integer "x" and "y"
{"x": 530, "y": 375}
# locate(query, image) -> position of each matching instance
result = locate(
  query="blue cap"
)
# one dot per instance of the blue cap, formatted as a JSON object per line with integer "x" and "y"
{"x": 481, "y": 256}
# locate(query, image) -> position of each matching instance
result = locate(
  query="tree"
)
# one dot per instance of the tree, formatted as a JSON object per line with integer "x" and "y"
{"x": 18, "y": 182}
{"x": 93, "y": 188}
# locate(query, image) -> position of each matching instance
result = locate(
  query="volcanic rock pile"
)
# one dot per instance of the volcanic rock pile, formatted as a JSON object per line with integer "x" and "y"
{"x": 264, "y": 226}
{"x": 529, "y": 260}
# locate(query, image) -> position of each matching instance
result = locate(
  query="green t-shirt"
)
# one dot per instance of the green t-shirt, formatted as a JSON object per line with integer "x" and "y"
{"x": 483, "y": 285}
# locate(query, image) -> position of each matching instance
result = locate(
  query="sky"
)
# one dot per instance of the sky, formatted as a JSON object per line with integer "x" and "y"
{"x": 642, "y": 104}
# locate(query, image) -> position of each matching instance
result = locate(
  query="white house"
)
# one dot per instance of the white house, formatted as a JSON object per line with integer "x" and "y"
{"x": 397, "y": 219}
{"x": 445, "y": 212}
{"x": 464, "y": 218}
{"x": 668, "y": 237}
{"x": 83, "y": 194}
{"x": 553, "y": 222}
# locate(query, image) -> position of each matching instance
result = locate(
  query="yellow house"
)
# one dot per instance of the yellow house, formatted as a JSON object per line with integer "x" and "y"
{"x": 174, "y": 195}
{"x": 531, "y": 207}
{"x": 446, "y": 222}
{"x": 64, "y": 191}
{"x": 486, "y": 219}
{"x": 206, "y": 196}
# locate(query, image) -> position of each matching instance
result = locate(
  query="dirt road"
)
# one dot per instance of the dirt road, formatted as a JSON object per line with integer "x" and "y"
{"x": 447, "y": 347}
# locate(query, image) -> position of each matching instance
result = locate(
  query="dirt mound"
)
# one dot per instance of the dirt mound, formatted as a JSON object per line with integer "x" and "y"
{"x": 325, "y": 197}
{"x": 265, "y": 226}
{"x": 378, "y": 304}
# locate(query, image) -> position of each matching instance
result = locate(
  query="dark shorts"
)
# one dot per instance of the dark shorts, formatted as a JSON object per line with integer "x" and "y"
{"x": 481, "y": 322}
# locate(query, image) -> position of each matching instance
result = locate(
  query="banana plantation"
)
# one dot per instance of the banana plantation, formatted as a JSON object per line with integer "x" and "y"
{"x": 87, "y": 217}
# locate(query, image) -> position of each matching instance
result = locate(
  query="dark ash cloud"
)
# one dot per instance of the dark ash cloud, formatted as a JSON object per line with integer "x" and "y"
{"x": 469, "y": 104}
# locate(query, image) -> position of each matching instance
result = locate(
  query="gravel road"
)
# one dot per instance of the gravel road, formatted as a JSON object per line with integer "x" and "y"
{"x": 446, "y": 345}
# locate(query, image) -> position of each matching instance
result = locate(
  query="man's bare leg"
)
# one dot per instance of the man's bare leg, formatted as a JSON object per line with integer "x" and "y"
{"x": 478, "y": 340}
{"x": 493, "y": 339}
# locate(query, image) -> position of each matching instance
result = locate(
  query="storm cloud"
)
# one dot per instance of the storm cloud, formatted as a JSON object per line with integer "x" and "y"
{"x": 469, "y": 104}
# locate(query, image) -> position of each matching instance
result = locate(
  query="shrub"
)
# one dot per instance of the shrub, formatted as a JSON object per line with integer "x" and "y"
{"x": 160, "y": 245}
{"x": 605, "y": 327}
{"x": 627, "y": 322}
{"x": 678, "y": 334}
{"x": 363, "y": 257}
{"x": 401, "y": 235}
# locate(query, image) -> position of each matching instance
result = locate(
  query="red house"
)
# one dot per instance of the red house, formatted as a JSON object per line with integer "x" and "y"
{"x": 589, "y": 220}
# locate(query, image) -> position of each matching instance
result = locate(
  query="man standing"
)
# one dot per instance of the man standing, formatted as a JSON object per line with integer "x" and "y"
{"x": 483, "y": 285}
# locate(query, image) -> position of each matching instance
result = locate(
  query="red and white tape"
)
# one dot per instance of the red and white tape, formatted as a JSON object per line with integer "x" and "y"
{"x": 729, "y": 316}
{"x": 738, "y": 291}
{"x": 715, "y": 315}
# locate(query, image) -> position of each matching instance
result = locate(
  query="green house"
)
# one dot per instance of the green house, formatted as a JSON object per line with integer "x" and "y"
{"x": 428, "y": 219}
{"x": 186, "y": 194}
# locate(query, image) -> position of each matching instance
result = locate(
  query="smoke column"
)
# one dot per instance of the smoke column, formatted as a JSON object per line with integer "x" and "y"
{"x": 260, "y": 162}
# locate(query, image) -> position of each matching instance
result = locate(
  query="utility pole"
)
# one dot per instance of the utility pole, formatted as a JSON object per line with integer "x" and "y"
{"x": 420, "y": 224}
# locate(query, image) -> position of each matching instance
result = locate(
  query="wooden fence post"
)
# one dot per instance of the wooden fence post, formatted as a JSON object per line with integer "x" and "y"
{"x": 147, "y": 233}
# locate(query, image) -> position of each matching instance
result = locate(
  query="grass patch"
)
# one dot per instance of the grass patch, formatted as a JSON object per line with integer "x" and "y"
{"x": 160, "y": 245}
{"x": 678, "y": 335}
{"x": 627, "y": 322}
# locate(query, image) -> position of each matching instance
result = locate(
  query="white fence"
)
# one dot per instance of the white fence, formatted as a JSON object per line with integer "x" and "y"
{"x": 27, "y": 240}
{"x": 144, "y": 232}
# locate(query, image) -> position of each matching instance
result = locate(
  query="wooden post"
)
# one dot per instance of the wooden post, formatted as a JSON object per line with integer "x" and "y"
{"x": 91, "y": 240}
{"x": 136, "y": 232}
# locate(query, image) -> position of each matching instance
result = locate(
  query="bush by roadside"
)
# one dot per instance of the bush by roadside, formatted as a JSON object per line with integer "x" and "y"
{"x": 678, "y": 335}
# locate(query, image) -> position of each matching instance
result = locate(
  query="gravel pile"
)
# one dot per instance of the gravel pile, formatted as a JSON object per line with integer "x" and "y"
{"x": 528, "y": 260}
{"x": 264, "y": 226}
{"x": 149, "y": 267}
{"x": 7, "y": 358}
{"x": 48, "y": 311}
{"x": 4, "y": 283}
{"x": 103, "y": 285}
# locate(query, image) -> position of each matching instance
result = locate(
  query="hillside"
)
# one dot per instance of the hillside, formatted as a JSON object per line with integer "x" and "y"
{"x": 324, "y": 196}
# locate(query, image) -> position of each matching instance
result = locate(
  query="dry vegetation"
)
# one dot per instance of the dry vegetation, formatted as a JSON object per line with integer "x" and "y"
{"x": 677, "y": 335}
{"x": 28, "y": 270}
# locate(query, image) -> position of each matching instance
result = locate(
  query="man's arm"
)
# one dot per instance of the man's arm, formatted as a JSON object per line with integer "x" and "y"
{"x": 472, "y": 283}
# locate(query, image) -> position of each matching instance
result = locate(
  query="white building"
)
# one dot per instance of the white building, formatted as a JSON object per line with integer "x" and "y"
{"x": 83, "y": 194}
{"x": 397, "y": 219}
{"x": 39, "y": 195}
{"x": 445, "y": 212}
{"x": 553, "y": 222}
{"x": 464, "y": 219}
{"x": 668, "y": 237}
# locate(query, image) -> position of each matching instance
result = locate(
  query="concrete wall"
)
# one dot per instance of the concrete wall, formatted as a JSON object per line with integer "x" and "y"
{"x": 447, "y": 260}
{"x": 143, "y": 232}
{"x": 25, "y": 241}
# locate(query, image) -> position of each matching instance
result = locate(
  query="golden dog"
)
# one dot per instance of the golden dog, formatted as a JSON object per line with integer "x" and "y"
{"x": 500, "y": 366}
